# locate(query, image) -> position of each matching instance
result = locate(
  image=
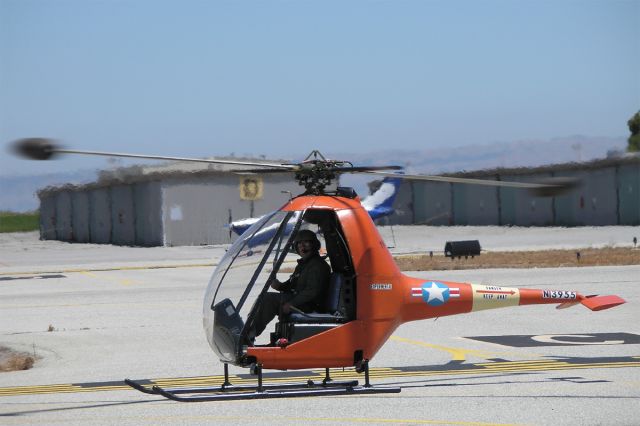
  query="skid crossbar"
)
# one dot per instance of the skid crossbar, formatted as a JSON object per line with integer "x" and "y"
{"x": 227, "y": 391}
{"x": 282, "y": 393}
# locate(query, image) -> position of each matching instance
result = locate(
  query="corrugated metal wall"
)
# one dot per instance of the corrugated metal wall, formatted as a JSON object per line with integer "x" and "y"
{"x": 592, "y": 203}
{"x": 123, "y": 230}
{"x": 177, "y": 211}
{"x": 628, "y": 184}
{"x": 475, "y": 205}
{"x": 520, "y": 208}
{"x": 80, "y": 217}
{"x": 64, "y": 230}
{"x": 48, "y": 216}
{"x": 607, "y": 196}
{"x": 431, "y": 202}
{"x": 148, "y": 214}
{"x": 195, "y": 211}
{"x": 100, "y": 215}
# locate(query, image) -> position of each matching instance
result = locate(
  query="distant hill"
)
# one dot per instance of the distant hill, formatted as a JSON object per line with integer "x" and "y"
{"x": 525, "y": 153}
{"x": 18, "y": 193}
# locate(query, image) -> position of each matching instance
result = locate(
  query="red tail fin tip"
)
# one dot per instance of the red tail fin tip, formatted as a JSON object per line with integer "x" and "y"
{"x": 598, "y": 303}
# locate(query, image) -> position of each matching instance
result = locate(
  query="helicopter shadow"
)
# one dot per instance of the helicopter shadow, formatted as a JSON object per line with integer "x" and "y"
{"x": 460, "y": 381}
{"x": 77, "y": 407}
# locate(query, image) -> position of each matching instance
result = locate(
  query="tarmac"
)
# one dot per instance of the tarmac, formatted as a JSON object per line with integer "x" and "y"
{"x": 93, "y": 315}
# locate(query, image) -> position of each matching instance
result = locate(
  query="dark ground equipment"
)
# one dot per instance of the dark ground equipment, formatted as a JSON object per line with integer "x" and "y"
{"x": 458, "y": 249}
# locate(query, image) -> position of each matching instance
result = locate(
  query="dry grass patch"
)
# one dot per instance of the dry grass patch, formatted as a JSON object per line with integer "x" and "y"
{"x": 523, "y": 259}
{"x": 11, "y": 360}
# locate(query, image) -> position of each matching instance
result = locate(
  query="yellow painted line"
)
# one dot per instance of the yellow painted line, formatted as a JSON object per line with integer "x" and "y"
{"x": 114, "y": 268}
{"x": 341, "y": 420}
{"x": 571, "y": 367}
{"x": 457, "y": 354}
{"x": 214, "y": 418}
{"x": 190, "y": 379}
{"x": 383, "y": 373}
{"x": 541, "y": 361}
{"x": 121, "y": 281}
{"x": 391, "y": 373}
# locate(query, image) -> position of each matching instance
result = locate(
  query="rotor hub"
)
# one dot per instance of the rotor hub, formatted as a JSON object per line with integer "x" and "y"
{"x": 316, "y": 172}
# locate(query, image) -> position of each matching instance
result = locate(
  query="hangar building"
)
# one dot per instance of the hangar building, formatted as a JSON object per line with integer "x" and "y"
{"x": 169, "y": 205}
{"x": 609, "y": 194}
{"x": 186, "y": 204}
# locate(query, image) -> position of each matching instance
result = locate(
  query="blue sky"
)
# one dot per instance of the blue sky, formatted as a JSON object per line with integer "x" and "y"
{"x": 279, "y": 78}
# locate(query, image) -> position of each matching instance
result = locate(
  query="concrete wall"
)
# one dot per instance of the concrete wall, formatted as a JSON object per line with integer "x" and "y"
{"x": 80, "y": 220}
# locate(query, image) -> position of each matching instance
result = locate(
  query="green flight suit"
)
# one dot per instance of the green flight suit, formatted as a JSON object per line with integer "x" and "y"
{"x": 306, "y": 289}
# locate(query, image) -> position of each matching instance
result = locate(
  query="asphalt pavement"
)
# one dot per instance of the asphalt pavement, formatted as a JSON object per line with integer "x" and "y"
{"x": 93, "y": 315}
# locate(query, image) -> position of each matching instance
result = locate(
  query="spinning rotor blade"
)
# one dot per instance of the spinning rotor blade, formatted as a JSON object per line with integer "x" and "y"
{"x": 319, "y": 168}
{"x": 365, "y": 169}
{"x": 44, "y": 149}
{"x": 545, "y": 188}
{"x": 356, "y": 169}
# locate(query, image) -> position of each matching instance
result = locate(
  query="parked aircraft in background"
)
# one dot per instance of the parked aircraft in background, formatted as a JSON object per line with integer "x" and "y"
{"x": 379, "y": 204}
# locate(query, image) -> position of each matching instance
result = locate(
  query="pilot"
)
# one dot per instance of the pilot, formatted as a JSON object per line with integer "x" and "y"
{"x": 304, "y": 290}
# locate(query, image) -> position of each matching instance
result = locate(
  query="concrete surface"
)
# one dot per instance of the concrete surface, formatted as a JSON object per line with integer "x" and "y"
{"x": 119, "y": 312}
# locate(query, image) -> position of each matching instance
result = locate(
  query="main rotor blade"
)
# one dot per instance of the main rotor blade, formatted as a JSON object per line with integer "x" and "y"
{"x": 364, "y": 169}
{"x": 550, "y": 186}
{"x": 44, "y": 149}
{"x": 355, "y": 169}
{"x": 285, "y": 167}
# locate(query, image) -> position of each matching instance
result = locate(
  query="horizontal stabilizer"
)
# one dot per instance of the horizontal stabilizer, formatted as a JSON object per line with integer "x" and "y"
{"x": 566, "y": 305}
{"x": 598, "y": 303}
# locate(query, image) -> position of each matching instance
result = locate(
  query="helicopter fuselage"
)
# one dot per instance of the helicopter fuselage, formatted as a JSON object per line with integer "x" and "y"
{"x": 386, "y": 297}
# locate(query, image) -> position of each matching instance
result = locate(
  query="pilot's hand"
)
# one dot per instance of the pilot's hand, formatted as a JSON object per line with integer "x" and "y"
{"x": 286, "y": 308}
{"x": 275, "y": 284}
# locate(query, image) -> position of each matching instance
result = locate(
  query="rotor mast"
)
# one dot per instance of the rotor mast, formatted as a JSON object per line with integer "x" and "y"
{"x": 316, "y": 172}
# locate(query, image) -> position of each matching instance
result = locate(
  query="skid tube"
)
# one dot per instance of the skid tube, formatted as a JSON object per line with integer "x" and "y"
{"x": 228, "y": 392}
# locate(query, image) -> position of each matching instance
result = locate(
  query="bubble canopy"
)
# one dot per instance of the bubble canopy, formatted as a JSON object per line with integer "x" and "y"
{"x": 241, "y": 276}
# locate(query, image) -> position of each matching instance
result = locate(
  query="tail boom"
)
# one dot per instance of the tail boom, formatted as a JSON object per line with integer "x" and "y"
{"x": 565, "y": 299}
{"x": 432, "y": 299}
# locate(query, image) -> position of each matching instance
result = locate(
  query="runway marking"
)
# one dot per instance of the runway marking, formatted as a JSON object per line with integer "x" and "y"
{"x": 35, "y": 277}
{"x": 121, "y": 281}
{"x": 458, "y": 354}
{"x": 114, "y": 268}
{"x": 342, "y": 420}
{"x": 180, "y": 419}
{"x": 450, "y": 369}
{"x": 533, "y": 340}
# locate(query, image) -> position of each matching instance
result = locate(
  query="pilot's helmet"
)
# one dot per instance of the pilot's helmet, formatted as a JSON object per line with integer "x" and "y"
{"x": 306, "y": 235}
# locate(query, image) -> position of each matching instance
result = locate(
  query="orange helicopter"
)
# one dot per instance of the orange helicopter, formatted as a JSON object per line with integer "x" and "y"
{"x": 368, "y": 296}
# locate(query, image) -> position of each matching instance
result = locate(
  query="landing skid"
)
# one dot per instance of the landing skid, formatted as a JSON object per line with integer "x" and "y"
{"x": 228, "y": 392}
